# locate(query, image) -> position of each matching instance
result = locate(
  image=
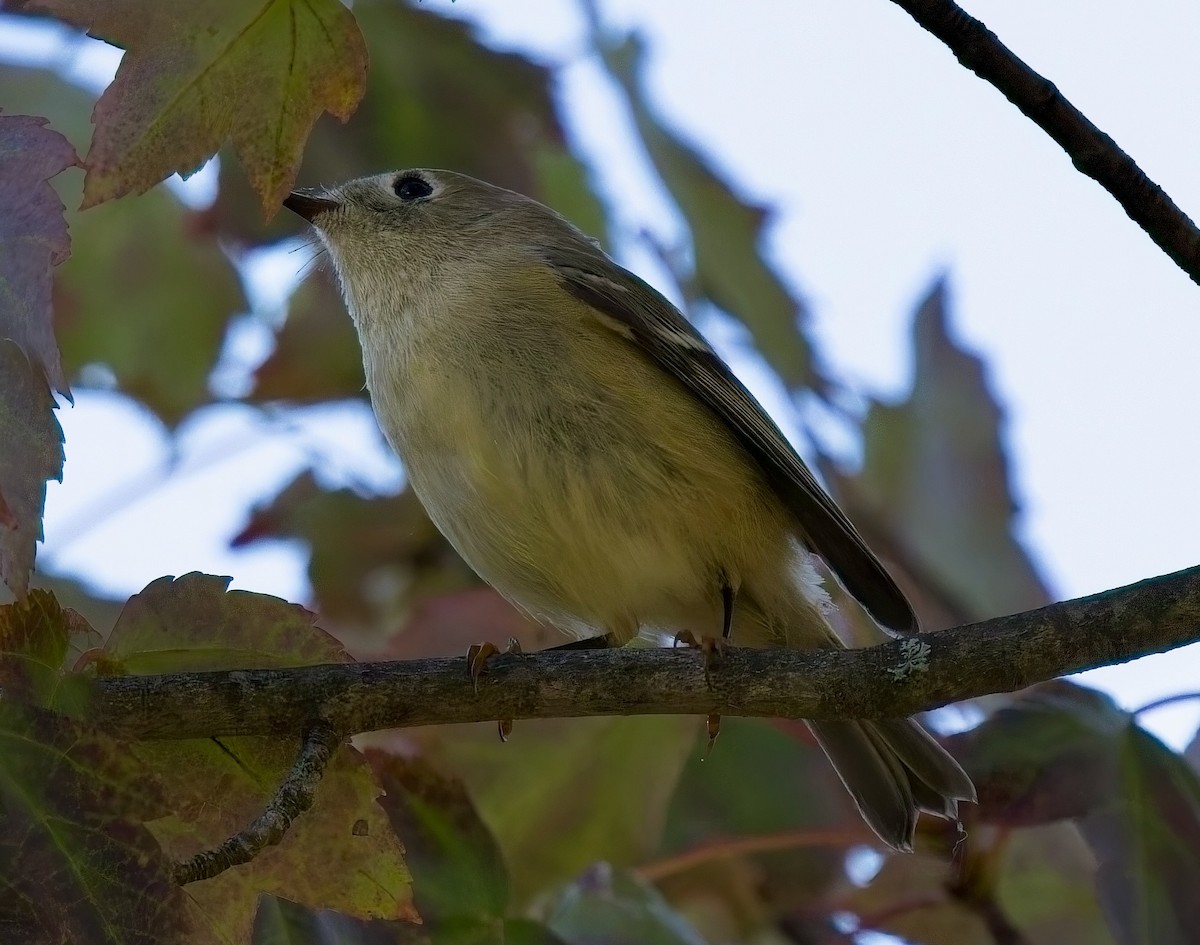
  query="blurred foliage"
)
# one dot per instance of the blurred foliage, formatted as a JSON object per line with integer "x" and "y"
{"x": 728, "y": 269}
{"x": 316, "y": 356}
{"x": 111, "y": 308}
{"x": 1059, "y": 751}
{"x": 619, "y": 831}
{"x": 935, "y": 494}
{"x": 282, "y": 922}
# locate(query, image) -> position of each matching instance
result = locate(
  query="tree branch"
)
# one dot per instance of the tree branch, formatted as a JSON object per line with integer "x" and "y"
{"x": 1091, "y": 151}
{"x": 294, "y": 797}
{"x": 894, "y": 679}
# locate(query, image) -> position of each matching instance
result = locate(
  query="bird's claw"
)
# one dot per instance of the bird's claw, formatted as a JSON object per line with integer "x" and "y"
{"x": 478, "y": 657}
{"x": 713, "y": 725}
{"x": 480, "y": 654}
{"x": 713, "y": 649}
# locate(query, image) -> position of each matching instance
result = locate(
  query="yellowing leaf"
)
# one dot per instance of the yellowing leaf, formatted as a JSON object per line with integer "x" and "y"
{"x": 341, "y": 853}
{"x": 437, "y": 96}
{"x": 194, "y": 623}
{"x": 198, "y": 74}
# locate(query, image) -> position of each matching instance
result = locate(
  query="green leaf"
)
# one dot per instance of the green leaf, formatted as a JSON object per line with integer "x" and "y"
{"x": 31, "y": 90}
{"x": 1038, "y": 881}
{"x": 796, "y": 788}
{"x": 726, "y": 233}
{"x": 84, "y": 609}
{"x": 198, "y": 74}
{"x": 1147, "y": 841}
{"x": 612, "y": 907}
{"x": 76, "y": 864}
{"x": 910, "y": 897}
{"x": 1061, "y": 751}
{"x": 150, "y": 294}
{"x": 604, "y": 783}
{"x": 935, "y": 489}
{"x": 1045, "y": 756}
{"x": 795, "y": 793}
{"x": 1047, "y": 886}
{"x": 32, "y": 454}
{"x": 458, "y": 870}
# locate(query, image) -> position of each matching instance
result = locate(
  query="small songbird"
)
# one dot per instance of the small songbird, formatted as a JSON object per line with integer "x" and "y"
{"x": 592, "y": 458}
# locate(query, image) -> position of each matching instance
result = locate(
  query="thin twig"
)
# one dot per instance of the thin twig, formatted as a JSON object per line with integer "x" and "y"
{"x": 295, "y": 795}
{"x": 1166, "y": 701}
{"x": 748, "y": 846}
{"x": 1091, "y": 151}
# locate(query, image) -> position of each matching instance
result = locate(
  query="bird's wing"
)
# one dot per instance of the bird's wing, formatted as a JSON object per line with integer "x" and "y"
{"x": 630, "y": 307}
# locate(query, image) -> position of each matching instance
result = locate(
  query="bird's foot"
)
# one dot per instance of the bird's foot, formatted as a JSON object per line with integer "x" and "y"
{"x": 478, "y": 657}
{"x": 713, "y": 649}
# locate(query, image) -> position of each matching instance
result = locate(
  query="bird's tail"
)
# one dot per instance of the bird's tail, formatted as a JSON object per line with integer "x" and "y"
{"x": 893, "y": 769}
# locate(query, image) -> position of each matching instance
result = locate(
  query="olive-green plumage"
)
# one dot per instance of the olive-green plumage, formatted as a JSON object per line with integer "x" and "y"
{"x": 587, "y": 452}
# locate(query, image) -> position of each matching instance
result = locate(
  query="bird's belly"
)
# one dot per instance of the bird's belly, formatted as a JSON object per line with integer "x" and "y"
{"x": 578, "y": 511}
{"x": 582, "y": 537}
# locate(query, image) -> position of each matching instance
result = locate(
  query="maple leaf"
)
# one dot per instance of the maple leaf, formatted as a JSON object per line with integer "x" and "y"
{"x": 33, "y": 240}
{"x": 197, "y": 75}
{"x": 31, "y": 454}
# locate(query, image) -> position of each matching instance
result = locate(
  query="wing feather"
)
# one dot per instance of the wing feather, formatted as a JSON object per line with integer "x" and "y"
{"x": 631, "y": 307}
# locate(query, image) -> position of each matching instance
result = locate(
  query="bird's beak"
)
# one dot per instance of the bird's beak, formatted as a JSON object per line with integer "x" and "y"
{"x": 309, "y": 203}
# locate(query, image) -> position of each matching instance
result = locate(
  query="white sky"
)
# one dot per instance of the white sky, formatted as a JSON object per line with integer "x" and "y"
{"x": 888, "y": 163}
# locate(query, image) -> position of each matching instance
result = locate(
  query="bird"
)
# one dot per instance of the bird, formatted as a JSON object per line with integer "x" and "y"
{"x": 590, "y": 455}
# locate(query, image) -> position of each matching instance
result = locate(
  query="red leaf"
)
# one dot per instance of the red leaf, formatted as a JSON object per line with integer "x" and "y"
{"x": 33, "y": 237}
{"x": 31, "y": 454}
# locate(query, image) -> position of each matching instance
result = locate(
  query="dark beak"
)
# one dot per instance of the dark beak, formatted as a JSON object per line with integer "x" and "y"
{"x": 309, "y": 203}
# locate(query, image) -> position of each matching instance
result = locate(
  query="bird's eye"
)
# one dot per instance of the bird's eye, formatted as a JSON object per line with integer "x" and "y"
{"x": 411, "y": 187}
